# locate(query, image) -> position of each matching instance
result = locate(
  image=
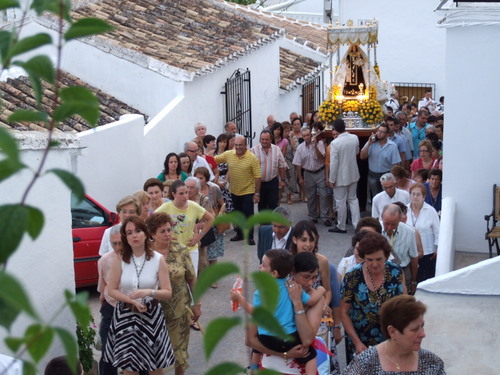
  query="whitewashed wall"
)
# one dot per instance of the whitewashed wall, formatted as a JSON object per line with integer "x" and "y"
{"x": 128, "y": 81}
{"x": 411, "y": 48}
{"x": 202, "y": 101}
{"x": 111, "y": 162}
{"x": 45, "y": 266}
{"x": 472, "y": 134}
{"x": 462, "y": 319}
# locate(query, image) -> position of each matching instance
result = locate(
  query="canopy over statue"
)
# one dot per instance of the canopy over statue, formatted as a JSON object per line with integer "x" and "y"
{"x": 354, "y": 73}
{"x": 356, "y": 88}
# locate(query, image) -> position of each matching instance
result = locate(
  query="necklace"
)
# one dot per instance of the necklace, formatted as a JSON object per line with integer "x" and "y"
{"x": 398, "y": 367}
{"x": 138, "y": 271}
{"x": 376, "y": 301}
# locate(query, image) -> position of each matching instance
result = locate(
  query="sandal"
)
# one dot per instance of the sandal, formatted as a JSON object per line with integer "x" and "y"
{"x": 195, "y": 326}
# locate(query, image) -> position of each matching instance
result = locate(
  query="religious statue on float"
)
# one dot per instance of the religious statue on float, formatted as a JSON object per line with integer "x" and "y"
{"x": 355, "y": 74}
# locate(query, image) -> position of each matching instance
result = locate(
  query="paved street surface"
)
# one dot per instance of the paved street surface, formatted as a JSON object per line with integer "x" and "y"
{"x": 216, "y": 302}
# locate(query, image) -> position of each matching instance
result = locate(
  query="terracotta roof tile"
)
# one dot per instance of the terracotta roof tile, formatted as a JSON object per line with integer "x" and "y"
{"x": 17, "y": 94}
{"x": 312, "y": 35}
{"x": 296, "y": 69}
{"x": 197, "y": 36}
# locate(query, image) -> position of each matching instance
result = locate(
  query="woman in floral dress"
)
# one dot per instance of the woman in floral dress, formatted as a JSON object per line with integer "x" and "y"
{"x": 364, "y": 289}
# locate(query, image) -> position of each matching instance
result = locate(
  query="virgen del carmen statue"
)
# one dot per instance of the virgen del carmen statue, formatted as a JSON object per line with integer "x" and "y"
{"x": 356, "y": 91}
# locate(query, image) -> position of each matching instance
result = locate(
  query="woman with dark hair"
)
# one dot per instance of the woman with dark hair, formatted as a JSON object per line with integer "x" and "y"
{"x": 364, "y": 288}
{"x": 138, "y": 280}
{"x": 305, "y": 238}
{"x": 186, "y": 163}
{"x": 179, "y": 309}
{"x": 223, "y": 181}
{"x": 278, "y": 138}
{"x": 154, "y": 188}
{"x": 172, "y": 169}
{"x": 209, "y": 144}
{"x": 214, "y": 195}
{"x": 402, "y": 323}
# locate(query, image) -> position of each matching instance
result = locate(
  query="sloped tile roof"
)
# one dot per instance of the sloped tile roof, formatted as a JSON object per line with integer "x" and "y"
{"x": 296, "y": 69}
{"x": 196, "y": 36}
{"x": 308, "y": 34}
{"x": 18, "y": 94}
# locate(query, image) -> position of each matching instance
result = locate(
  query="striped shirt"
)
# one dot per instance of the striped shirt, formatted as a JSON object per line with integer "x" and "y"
{"x": 270, "y": 161}
{"x": 305, "y": 156}
{"x": 243, "y": 171}
{"x": 403, "y": 243}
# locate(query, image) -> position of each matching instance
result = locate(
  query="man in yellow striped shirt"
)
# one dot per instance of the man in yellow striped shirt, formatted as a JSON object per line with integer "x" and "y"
{"x": 244, "y": 169}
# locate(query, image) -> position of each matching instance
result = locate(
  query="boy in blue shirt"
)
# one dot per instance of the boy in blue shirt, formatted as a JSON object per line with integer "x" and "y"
{"x": 279, "y": 263}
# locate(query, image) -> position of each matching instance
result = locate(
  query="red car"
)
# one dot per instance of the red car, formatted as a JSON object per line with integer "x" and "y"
{"x": 89, "y": 221}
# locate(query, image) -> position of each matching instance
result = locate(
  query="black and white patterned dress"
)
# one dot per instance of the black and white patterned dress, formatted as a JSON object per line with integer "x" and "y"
{"x": 139, "y": 341}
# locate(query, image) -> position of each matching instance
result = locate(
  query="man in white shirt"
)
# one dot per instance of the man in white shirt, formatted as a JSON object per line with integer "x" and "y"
{"x": 191, "y": 148}
{"x": 389, "y": 195}
{"x": 427, "y": 101}
{"x": 402, "y": 239}
{"x": 275, "y": 236}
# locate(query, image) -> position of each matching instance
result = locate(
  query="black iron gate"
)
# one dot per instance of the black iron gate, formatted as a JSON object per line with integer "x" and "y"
{"x": 311, "y": 95}
{"x": 238, "y": 102}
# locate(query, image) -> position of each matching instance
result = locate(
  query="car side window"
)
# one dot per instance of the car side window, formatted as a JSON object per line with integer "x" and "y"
{"x": 86, "y": 214}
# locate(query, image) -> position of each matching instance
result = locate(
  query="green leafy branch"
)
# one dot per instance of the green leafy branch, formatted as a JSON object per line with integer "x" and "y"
{"x": 263, "y": 315}
{"x": 16, "y": 220}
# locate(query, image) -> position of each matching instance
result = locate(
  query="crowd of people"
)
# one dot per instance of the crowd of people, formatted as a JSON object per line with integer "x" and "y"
{"x": 166, "y": 237}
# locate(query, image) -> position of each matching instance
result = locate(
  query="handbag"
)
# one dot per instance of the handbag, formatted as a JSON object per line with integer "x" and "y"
{"x": 209, "y": 238}
{"x": 222, "y": 227}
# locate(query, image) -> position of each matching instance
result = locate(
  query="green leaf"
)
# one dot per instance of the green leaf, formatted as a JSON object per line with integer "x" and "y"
{"x": 71, "y": 181}
{"x": 79, "y": 306}
{"x": 14, "y": 343}
{"x": 5, "y": 4}
{"x": 268, "y": 289}
{"x": 70, "y": 346}
{"x": 9, "y": 167}
{"x": 266, "y": 217}
{"x": 29, "y": 43}
{"x": 266, "y": 319}
{"x": 211, "y": 275}
{"x": 77, "y": 101}
{"x": 86, "y": 27}
{"x": 8, "y": 145}
{"x": 226, "y": 368}
{"x": 6, "y": 38}
{"x": 38, "y": 338}
{"x": 14, "y": 219}
{"x": 8, "y": 314}
{"x": 29, "y": 368}
{"x": 53, "y": 6}
{"x": 12, "y": 293}
{"x": 215, "y": 331}
{"x": 23, "y": 115}
{"x": 235, "y": 217}
{"x": 37, "y": 68}
{"x": 35, "y": 222}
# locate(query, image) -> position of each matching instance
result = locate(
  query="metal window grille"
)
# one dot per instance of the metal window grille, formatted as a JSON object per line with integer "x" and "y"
{"x": 238, "y": 102}
{"x": 413, "y": 92}
{"x": 311, "y": 95}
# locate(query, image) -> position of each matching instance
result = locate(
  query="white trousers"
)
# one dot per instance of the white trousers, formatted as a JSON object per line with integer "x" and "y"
{"x": 344, "y": 195}
{"x": 195, "y": 256}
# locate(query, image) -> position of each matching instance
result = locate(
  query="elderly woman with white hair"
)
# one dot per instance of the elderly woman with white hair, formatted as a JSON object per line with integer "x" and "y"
{"x": 200, "y": 130}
